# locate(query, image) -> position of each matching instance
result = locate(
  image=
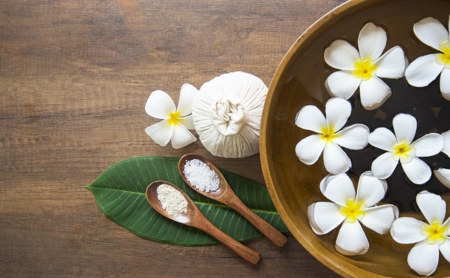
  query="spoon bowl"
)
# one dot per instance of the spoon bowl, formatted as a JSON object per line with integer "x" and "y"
{"x": 152, "y": 198}
{"x": 194, "y": 217}
{"x": 226, "y": 195}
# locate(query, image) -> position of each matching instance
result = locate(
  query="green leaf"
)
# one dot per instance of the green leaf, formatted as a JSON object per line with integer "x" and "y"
{"x": 120, "y": 194}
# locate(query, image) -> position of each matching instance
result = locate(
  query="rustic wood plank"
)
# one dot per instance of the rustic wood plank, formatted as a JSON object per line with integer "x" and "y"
{"x": 74, "y": 78}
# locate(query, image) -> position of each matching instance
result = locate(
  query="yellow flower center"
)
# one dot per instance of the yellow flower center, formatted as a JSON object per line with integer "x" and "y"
{"x": 444, "y": 57}
{"x": 352, "y": 210}
{"x": 402, "y": 149}
{"x": 364, "y": 69}
{"x": 436, "y": 232}
{"x": 174, "y": 118}
{"x": 328, "y": 134}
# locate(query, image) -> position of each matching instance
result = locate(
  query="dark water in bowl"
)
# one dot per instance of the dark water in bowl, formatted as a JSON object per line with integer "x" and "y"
{"x": 427, "y": 105}
{"x": 432, "y": 113}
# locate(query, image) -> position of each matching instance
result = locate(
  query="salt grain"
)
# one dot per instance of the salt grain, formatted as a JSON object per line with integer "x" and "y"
{"x": 201, "y": 176}
{"x": 171, "y": 200}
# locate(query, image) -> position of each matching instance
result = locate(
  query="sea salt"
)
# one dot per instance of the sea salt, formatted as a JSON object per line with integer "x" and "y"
{"x": 201, "y": 176}
{"x": 171, "y": 200}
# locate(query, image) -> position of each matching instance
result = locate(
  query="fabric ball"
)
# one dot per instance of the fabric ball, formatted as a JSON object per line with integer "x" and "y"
{"x": 227, "y": 114}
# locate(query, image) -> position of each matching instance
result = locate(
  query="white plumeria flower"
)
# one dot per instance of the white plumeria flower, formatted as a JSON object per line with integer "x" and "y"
{"x": 364, "y": 69}
{"x": 400, "y": 147}
{"x": 330, "y": 136}
{"x": 351, "y": 209}
{"x": 430, "y": 238}
{"x": 175, "y": 121}
{"x": 426, "y": 68}
{"x": 442, "y": 174}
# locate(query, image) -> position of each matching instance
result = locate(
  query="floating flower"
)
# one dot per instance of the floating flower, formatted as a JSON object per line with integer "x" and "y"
{"x": 446, "y": 143}
{"x": 330, "y": 136}
{"x": 351, "y": 209}
{"x": 364, "y": 69}
{"x": 442, "y": 174}
{"x": 426, "y": 68}
{"x": 429, "y": 238}
{"x": 175, "y": 121}
{"x": 400, "y": 147}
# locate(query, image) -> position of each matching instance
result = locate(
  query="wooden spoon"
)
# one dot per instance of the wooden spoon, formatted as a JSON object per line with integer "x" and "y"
{"x": 195, "y": 218}
{"x": 226, "y": 196}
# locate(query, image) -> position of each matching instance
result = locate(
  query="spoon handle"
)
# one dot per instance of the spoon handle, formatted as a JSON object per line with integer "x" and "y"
{"x": 246, "y": 253}
{"x": 265, "y": 228}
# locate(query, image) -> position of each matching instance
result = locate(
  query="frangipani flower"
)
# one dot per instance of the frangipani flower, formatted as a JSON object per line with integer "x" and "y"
{"x": 426, "y": 68}
{"x": 351, "y": 209}
{"x": 330, "y": 136}
{"x": 400, "y": 147}
{"x": 364, "y": 69}
{"x": 442, "y": 174}
{"x": 446, "y": 143}
{"x": 430, "y": 238}
{"x": 175, "y": 121}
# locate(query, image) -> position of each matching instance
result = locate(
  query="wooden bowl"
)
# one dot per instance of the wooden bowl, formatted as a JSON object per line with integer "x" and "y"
{"x": 299, "y": 81}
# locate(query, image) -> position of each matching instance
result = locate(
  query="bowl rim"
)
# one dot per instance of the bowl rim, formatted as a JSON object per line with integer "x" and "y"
{"x": 343, "y": 267}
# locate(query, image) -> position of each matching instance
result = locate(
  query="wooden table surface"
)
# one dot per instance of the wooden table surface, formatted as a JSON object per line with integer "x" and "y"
{"x": 74, "y": 79}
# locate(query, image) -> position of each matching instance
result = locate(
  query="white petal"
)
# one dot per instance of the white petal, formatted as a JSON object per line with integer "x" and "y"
{"x": 310, "y": 118}
{"x": 417, "y": 170}
{"x": 337, "y": 188}
{"x": 392, "y": 64}
{"x": 181, "y": 137}
{"x": 446, "y": 142}
{"x": 431, "y": 32}
{"x": 443, "y": 175}
{"x": 423, "y": 70}
{"x": 324, "y": 217}
{"x": 160, "y": 132}
{"x": 309, "y": 149}
{"x": 159, "y": 105}
{"x": 379, "y": 219}
{"x": 382, "y": 138}
{"x": 445, "y": 249}
{"x": 429, "y": 145}
{"x": 188, "y": 122}
{"x": 342, "y": 84}
{"x": 407, "y": 230}
{"x": 405, "y": 127}
{"x": 423, "y": 258}
{"x": 341, "y": 55}
{"x": 373, "y": 92}
{"x": 444, "y": 83}
{"x": 188, "y": 93}
{"x": 337, "y": 111}
{"x": 384, "y": 165}
{"x": 354, "y": 137}
{"x": 371, "y": 41}
{"x": 335, "y": 159}
{"x": 370, "y": 189}
{"x": 431, "y": 205}
{"x": 351, "y": 239}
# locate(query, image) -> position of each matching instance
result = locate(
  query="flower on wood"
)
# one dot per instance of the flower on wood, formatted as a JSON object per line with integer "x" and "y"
{"x": 430, "y": 237}
{"x": 400, "y": 147}
{"x": 331, "y": 135}
{"x": 364, "y": 68}
{"x": 176, "y": 121}
{"x": 351, "y": 209}
{"x": 422, "y": 71}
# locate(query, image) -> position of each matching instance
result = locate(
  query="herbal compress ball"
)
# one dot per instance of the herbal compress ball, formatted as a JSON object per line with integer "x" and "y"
{"x": 227, "y": 114}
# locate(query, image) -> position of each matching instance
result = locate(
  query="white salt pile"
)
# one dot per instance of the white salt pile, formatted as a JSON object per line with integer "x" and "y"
{"x": 201, "y": 176}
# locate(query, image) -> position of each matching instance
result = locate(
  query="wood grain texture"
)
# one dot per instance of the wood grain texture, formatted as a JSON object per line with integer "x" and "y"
{"x": 74, "y": 79}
